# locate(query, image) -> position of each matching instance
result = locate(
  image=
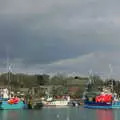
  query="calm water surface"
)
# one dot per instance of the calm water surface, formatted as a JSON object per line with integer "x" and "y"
{"x": 69, "y": 113}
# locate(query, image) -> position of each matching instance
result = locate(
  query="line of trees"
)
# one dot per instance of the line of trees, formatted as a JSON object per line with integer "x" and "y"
{"x": 61, "y": 84}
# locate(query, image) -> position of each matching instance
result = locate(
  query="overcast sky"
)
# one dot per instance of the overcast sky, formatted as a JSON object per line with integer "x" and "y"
{"x": 49, "y": 36}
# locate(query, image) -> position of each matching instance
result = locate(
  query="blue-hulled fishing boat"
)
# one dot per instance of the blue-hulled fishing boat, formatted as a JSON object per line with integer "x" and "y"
{"x": 105, "y": 100}
{"x": 7, "y": 102}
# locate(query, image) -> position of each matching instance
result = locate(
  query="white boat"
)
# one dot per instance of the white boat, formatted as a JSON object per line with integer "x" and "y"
{"x": 61, "y": 102}
{"x": 56, "y": 103}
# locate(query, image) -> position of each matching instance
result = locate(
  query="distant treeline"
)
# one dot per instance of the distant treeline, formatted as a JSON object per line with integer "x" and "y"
{"x": 25, "y": 80}
{"x": 61, "y": 84}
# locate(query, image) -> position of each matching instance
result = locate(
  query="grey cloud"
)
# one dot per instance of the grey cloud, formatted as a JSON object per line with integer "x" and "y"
{"x": 39, "y": 33}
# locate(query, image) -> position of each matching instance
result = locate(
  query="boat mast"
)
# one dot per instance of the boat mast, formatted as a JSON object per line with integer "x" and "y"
{"x": 111, "y": 71}
{"x": 90, "y": 76}
{"x": 8, "y": 72}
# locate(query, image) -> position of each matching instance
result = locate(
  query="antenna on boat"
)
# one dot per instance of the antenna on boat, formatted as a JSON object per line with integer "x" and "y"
{"x": 8, "y": 68}
{"x": 90, "y": 75}
{"x": 8, "y": 72}
{"x": 111, "y": 70}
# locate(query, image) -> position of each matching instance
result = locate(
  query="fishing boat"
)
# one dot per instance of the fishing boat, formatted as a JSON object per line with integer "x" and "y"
{"x": 104, "y": 99}
{"x": 7, "y": 103}
{"x": 7, "y": 100}
{"x": 56, "y": 102}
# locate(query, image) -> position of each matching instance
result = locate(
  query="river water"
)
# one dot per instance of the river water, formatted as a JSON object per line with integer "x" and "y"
{"x": 68, "y": 113}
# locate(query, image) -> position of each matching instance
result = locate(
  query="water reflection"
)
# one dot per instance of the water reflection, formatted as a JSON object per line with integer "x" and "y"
{"x": 9, "y": 115}
{"x": 4, "y": 116}
{"x": 71, "y": 113}
{"x": 105, "y": 115}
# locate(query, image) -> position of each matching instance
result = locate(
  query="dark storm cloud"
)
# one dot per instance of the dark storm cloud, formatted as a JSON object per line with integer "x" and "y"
{"x": 44, "y": 33}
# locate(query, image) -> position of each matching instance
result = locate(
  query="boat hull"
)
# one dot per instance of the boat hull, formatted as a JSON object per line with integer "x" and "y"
{"x": 94, "y": 105}
{"x": 6, "y": 106}
{"x": 56, "y": 103}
